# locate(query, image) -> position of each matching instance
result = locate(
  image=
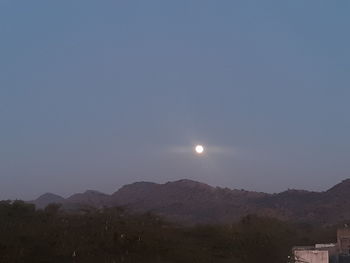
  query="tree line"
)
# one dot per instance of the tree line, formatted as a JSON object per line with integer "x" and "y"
{"x": 112, "y": 235}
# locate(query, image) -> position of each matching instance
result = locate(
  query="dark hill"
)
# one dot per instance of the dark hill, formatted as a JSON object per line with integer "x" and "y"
{"x": 45, "y": 199}
{"x": 194, "y": 202}
{"x": 89, "y": 198}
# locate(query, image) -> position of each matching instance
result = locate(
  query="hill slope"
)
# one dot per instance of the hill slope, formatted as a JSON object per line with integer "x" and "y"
{"x": 194, "y": 202}
{"x": 48, "y": 198}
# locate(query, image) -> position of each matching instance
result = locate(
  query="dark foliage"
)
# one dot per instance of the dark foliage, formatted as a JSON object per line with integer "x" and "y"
{"x": 112, "y": 235}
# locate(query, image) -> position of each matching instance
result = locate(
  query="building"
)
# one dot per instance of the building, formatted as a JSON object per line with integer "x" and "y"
{"x": 326, "y": 253}
{"x": 343, "y": 240}
{"x": 310, "y": 255}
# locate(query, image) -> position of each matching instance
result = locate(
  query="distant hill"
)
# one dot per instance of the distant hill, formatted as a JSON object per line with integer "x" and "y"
{"x": 194, "y": 202}
{"x": 185, "y": 200}
{"x": 90, "y": 198}
{"x": 48, "y": 198}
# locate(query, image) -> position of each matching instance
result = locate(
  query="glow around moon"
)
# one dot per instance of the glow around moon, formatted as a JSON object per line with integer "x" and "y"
{"x": 199, "y": 149}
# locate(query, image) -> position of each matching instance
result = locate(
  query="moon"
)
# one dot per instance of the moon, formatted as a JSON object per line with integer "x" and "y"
{"x": 199, "y": 149}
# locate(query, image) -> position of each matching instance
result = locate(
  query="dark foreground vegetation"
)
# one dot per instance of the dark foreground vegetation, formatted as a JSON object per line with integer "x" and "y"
{"x": 112, "y": 235}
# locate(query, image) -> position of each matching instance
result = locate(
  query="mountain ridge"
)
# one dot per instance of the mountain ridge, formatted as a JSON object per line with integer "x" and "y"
{"x": 190, "y": 201}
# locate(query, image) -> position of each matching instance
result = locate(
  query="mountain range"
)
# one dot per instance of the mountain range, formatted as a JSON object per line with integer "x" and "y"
{"x": 188, "y": 201}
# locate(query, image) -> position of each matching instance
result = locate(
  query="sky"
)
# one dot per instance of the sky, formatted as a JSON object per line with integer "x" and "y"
{"x": 98, "y": 94}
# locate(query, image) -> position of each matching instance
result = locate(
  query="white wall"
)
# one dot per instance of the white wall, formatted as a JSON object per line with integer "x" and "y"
{"x": 311, "y": 256}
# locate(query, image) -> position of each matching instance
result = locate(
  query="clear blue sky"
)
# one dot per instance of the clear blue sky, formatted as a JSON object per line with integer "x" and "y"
{"x": 97, "y": 94}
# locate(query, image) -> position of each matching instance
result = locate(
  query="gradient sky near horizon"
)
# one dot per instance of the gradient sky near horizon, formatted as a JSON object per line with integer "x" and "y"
{"x": 97, "y": 94}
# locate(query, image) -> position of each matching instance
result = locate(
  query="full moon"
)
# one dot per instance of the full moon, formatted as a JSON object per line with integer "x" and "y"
{"x": 199, "y": 149}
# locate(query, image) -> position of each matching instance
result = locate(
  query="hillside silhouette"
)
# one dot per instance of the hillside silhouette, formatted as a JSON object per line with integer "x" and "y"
{"x": 188, "y": 201}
